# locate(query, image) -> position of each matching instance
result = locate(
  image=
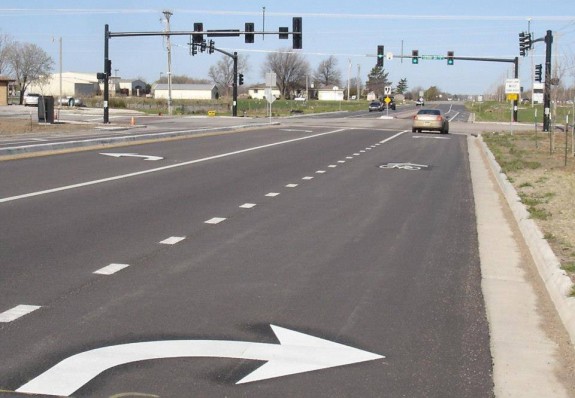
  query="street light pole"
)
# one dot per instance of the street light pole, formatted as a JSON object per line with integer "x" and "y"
{"x": 168, "y": 14}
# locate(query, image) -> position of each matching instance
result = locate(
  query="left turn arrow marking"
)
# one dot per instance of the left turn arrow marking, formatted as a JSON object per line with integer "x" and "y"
{"x": 133, "y": 155}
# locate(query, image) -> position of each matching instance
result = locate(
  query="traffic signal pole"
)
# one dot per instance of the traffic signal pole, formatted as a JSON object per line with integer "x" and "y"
{"x": 514, "y": 61}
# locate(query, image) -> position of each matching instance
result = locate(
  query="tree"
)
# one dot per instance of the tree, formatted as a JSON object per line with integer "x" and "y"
{"x": 432, "y": 93}
{"x": 5, "y": 43}
{"x": 222, "y": 73}
{"x": 29, "y": 63}
{"x": 291, "y": 69}
{"x": 327, "y": 73}
{"x": 401, "y": 86}
{"x": 182, "y": 79}
{"x": 377, "y": 80}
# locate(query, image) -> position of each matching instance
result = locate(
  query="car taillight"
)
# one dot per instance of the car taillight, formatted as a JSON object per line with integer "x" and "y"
{"x": 415, "y": 117}
{"x": 439, "y": 118}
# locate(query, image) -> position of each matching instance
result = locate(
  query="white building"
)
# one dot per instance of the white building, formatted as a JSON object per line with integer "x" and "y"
{"x": 259, "y": 92}
{"x": 133, "y": 87}
{"x": 72, "y": 84}
{"x": 330, "y": 94}
{"x": 187, "y": 91}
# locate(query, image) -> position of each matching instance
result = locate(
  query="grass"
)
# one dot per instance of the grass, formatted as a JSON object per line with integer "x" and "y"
{"x": 494, "y": 111}
{"x": 223, "y": 106}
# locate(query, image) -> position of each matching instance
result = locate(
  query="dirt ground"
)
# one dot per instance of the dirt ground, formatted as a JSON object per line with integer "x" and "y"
{"x": 18, "y": 126}
{"x": 545, "y": 182}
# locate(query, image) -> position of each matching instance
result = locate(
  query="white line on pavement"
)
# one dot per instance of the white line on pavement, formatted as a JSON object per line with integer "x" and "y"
{"x": 173, "y": 240}
{"x": 154, "y": 170}
{"x": 215, "y": 220}
{"x": 111, "y": 269}
{"x": 17, "y": 312}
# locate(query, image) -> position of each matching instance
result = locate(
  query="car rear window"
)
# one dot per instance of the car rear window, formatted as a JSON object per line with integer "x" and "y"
{"x": 429, "y": 112}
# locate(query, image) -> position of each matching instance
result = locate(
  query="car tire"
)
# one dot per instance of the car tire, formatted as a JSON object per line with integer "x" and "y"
{"x": 413, "y": 130}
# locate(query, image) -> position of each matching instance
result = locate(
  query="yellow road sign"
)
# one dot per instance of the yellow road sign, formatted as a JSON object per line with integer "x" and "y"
{"x": 211, "y": 113}
{"x": 512, "y": 97}
{"x": 387, "y": 100}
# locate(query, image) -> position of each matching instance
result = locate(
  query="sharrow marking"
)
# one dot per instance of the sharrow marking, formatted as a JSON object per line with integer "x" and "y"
{"x": 17, "y": 312}
{"x": 111, "y": 269}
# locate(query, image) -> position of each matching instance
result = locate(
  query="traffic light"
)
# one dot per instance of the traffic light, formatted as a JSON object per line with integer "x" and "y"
{"x": 297, "y": 33}
{"x": 450, "y": 58}
{"x": 538, "y": 73}
{"x": 414, "y": 56}
{"x": 284, "y": 32}
{"x": 211, "y": 47}
{"x": 240, "y": 79}
{"x": 108, "y": 67}
{"x": 198, "y": 27}
{"x": 524, "y": 43}
{"x": 249, "y": 37}
{"x": 380, "y": 56}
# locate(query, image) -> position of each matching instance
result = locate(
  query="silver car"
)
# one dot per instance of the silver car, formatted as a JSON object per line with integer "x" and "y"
{"x": 430, "y": 119}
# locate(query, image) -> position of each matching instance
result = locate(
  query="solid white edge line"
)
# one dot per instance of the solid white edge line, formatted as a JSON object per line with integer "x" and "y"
{"x": 172, "y": 166}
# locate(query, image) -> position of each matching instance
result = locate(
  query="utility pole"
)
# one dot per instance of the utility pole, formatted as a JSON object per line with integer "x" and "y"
{"x": 547, "y": 89}
{"x": 168, "y": 14}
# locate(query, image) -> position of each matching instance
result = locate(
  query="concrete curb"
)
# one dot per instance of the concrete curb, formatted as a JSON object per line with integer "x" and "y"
{"x": 54, "y": 146}
{"x": 556, "y": 280}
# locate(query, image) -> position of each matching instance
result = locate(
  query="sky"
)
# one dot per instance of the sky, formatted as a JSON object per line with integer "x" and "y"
{"x": 348, "y": 30}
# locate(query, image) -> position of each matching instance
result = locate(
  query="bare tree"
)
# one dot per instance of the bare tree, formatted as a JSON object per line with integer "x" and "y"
{"x": 291, "y": 69}
{"x": 327, "y": 73}
{"x": 222, "y": 73}
{"x": 5, "y": 43}
{"x": 29, "y": 63}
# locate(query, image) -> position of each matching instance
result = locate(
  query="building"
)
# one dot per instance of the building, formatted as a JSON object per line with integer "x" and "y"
{"x": 330, "y": 94}
{"x": 72, "y": 84}
{"x": 133, "y": 87}
{"x": 259, "y": 92}
{"x": 5, "y": 82}
{"x": 188, "y": 91}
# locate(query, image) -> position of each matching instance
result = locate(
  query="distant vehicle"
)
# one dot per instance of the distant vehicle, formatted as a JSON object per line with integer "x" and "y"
{"x": 391, "y": 104}
{"x": 31, "y": 99}
{"x": 376, "y": 106}
{"x": 420, "y": 102}
{"x": 430, "y": 119}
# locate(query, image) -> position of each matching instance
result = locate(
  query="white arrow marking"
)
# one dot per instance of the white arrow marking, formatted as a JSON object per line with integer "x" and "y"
{"x": 296, "y": 353}
{"x": 133, "y": 155}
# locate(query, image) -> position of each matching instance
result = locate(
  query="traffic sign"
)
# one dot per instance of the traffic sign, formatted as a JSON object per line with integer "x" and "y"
{"x": 512, "y": 86}
{"x": 387, "y": 90}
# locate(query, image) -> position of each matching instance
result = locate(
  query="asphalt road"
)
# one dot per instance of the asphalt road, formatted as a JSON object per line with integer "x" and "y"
{"x": 300, "y": 228}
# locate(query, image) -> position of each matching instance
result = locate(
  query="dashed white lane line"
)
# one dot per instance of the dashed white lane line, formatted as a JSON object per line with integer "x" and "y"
{"x": 307, "y": 178}
{"x": 341, "y": 161}
{"x": 332, "y": 165}
{"x": 248, "y": 205}
{"x": 17, "y": 312}
{"x": 349, "y": 157}
{"x": 111, "y": 269}
{"x": 272, "y": 194}
{"x": 320, "y": 172}
{"x": 173, "y": 240}
{"x": 356, "y": 154}
{"x": 291, "y": 185}
{"x": 215, "y": 220}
